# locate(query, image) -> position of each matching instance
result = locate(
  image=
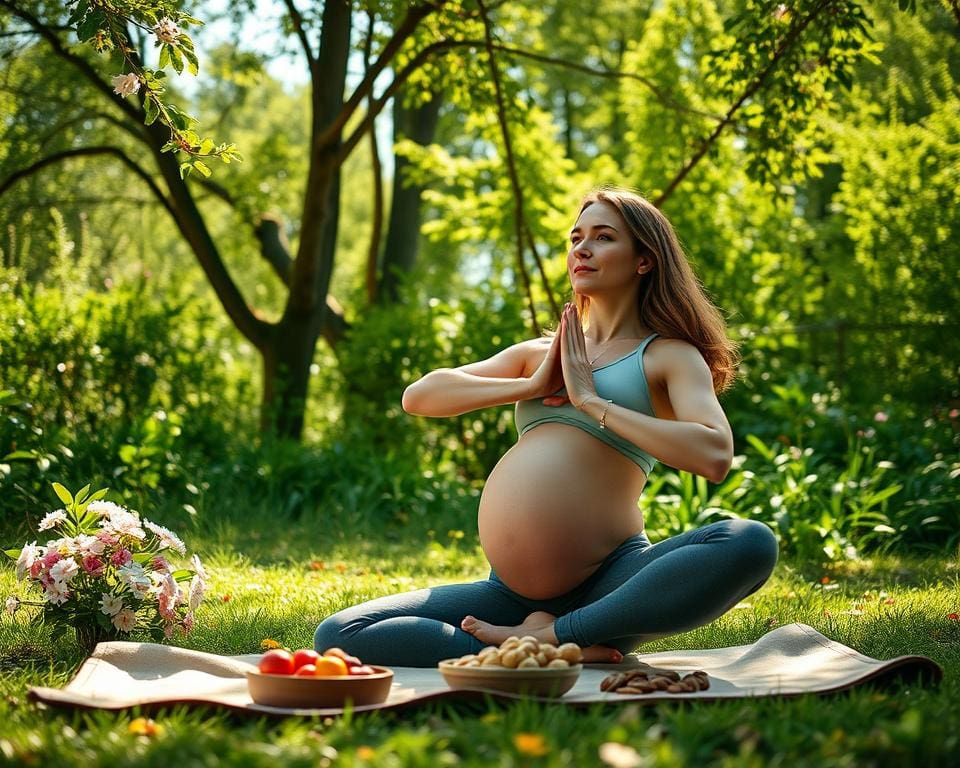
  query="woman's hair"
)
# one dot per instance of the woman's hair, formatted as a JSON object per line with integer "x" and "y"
{"x": 672, "y": 301}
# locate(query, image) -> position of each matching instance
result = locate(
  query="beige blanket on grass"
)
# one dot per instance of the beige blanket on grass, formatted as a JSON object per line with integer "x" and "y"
{"x": 788, "y": 661}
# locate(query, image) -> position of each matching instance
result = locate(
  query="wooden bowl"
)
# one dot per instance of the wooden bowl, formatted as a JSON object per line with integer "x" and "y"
{"x": 548, "y": 682}
{"x": 326, "y": 691}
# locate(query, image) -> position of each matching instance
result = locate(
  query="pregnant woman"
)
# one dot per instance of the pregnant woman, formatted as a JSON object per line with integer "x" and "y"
{"x": 630, "y": 378}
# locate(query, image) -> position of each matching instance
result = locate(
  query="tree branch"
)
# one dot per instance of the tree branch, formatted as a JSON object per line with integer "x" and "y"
{"x": 274, "y": 246}
{"x": 615, "y": 74}
{"x": 47, "y": 33}
{"x": 297, "y": 20}
{"x": 67, "y": 154}
{"x": 404, "y": 30}
{"x": 750, "y": 90}
{"x": 511, "y": 164}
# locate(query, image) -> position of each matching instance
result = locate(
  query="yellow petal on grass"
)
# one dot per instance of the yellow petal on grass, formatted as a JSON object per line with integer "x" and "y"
{"x": 268, "y": 644}
{"x": 144, "y": 726}
{"x": 531, "y": 744}
{"x": 366, "y": 753}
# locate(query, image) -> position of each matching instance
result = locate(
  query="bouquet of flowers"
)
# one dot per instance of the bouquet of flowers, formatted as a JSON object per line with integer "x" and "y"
{"x": 107, "y": 573}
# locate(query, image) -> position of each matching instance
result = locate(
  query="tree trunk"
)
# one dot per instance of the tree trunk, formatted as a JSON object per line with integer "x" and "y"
{"x": 287, "y": 357}
{"x": 403, "y": 231}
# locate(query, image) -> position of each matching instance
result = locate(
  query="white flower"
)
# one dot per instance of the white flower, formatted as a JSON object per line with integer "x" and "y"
{"x": 125, "y": 620}
{"x": 104, "y": 508}
{"x": 197, "y": 588}
{"x": 124, "y": 523}
{"x": 66, "y": 547}
{"x": 28, "y": 556}
{"x": 56, "y": 592}
{"x": 166, "y": 30}
{"x": 51, "y": 519}
{"x": 64, "y": 570}
{"x": 167, "y": 537}
{"x": 11, "y": 605}
{"x": 110, "y": 605}
{"x": 619, "y": 755}
{"x": 90, "y": 546}
{"x": 125, "y": 85}
{"x": 198, "y": 568}
{"x": 135, "y": 577}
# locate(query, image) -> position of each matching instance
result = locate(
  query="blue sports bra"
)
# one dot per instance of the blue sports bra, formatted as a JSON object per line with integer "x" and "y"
{"x": 622, "y": 381}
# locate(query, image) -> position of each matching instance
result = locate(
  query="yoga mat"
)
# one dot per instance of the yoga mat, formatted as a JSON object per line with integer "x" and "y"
{"x": 790, "y": 660}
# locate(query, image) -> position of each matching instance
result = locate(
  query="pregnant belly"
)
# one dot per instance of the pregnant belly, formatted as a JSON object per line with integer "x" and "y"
{"x": 555, "y": 505}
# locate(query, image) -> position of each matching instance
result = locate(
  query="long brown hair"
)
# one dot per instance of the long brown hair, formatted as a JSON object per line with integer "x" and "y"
{"x": 672, "y": 301}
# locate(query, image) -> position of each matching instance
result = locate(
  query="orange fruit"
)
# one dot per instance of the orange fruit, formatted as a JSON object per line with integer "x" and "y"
{"x": 330, "y": 666}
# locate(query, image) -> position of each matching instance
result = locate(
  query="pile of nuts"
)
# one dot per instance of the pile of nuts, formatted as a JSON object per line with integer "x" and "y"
{"x": 647, "y": 679}
{"x": 523, "y": 653}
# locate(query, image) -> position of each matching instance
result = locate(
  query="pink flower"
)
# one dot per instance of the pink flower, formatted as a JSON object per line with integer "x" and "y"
{"x": 121, "y": 557}
{"x": 50, "y": 558}
{"x": 125, "y": 620}
{"x": 107, "y": 538}
{"x": 35, "y": 569}
{"x": 93, "y": 566}
{"x": 160, "y": 563}
{"x": 167, "y": 605}
{"x": 954, "y": 413}
{"x": 880, "y": 417}
{"x": 188, "y": 623}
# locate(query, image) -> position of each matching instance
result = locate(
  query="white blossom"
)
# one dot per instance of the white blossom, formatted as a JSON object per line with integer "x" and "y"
{"x": 28, "y": 556}
{"x": 125, "y": 620}
{"x": 64, "y": 570}
{"x": 104, "y": 508}
{"x": 51, "y": 519}
{"x": 135, "y": 577}
{"x": 124, "y": 523}
{"x": 90, "y": 546}
{"x": 56, "y": 592}
{"x": 66, "y": 547}
{"x": 11, "y": 605}
{"x": 125, "y": 85}
{"x": 110, "y": 605}
{"x": 168, "y": 538}
{"x": 619, "y": 755}
{"x": 198, "y": 568}
{"x": 166, "y": 30}
{"x": 197, "y": 588}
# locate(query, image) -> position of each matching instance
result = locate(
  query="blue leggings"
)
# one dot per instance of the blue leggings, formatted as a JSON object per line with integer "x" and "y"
{"x": 640, "y": 592}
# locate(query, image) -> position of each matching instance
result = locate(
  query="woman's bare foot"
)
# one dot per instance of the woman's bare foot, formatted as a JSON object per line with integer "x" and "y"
{"x": 539, "y": 625}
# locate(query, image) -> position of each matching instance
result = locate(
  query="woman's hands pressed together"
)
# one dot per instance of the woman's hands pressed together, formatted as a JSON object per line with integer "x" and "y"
{"x": 574, "y": 363}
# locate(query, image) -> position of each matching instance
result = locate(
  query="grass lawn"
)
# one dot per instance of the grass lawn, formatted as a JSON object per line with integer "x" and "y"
{"x": 279, "y": 589}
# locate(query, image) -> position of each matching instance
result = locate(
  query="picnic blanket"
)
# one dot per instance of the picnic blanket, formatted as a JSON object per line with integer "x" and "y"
{"x": 791, "y": 660}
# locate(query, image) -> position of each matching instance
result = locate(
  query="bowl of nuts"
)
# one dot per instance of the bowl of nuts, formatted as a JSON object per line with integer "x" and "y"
{"x": 518, "y": 665}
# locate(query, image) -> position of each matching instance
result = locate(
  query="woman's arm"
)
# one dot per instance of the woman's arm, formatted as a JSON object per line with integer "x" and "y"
{"x": 498, "y": 380}
{"x": 699, "y": 440}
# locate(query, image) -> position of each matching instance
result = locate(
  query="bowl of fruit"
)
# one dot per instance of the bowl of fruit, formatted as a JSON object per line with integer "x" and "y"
{"x": 518, "y": 665}
{"x": 308, "y": 679}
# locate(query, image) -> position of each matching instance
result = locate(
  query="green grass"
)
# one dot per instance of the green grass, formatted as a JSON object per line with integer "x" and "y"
{"x": 279, "y": 585}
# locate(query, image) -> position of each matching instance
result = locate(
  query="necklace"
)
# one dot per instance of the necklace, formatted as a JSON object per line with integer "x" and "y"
{"x": 608, "y": 342}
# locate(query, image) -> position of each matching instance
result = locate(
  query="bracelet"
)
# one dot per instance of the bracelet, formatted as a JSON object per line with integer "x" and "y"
{"x": 603, "y": 416}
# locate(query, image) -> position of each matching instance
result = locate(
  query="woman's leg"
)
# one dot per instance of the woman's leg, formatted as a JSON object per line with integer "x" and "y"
{"x": 673, "y": 586}
{"x": 418, "y": 629}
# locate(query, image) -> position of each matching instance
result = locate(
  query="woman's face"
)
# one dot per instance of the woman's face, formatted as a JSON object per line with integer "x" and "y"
{"x": 601, "y": 256}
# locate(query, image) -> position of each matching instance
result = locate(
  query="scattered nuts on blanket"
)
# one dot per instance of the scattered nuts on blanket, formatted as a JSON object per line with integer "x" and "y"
{"x": 647, "y": 679}
{"x": 523, "y": 653}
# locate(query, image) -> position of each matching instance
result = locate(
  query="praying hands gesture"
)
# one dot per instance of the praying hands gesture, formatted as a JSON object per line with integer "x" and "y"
{"x": 574, "y": 363}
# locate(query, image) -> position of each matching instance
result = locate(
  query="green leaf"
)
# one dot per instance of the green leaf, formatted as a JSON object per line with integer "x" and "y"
{"x": 202, "y": 167}
{"x": 152, "y": 112}
{"x": 13, "y": 554}
{"x": 82, "y": 493}
{"x": 62, "y": 493}
{"x": 22, "y": 456}
{"x": 185, "y": 169}
{"x": 176, "y": 59}
{"x": 97, "y": 495}
{"x": 127, "y": 453}
{"x": 164, "y": 56}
